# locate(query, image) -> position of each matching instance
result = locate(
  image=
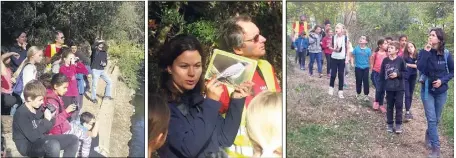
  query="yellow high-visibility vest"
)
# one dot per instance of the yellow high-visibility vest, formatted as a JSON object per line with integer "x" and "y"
{"x": 242, "y": 148}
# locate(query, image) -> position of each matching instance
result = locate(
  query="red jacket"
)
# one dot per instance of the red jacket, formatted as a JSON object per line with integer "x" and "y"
{"x": 61, "y": 124}
{"x": 70, "y": 72}
{"x": 327, "y": 40}
{"x": 260, "y": 85}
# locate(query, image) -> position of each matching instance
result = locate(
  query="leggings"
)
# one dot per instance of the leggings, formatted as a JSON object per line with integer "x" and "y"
{"x": 337, "y": 67}
{"x": 50, "y": 146}
{"x": 409, "y": 88}
{"x": 328, "y": 63}
{"x": 362, "y": 79}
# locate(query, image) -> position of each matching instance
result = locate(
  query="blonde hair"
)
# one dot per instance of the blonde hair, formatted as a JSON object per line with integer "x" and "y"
{"x": 31, "y": 52}
{"x": 264, "y": 123}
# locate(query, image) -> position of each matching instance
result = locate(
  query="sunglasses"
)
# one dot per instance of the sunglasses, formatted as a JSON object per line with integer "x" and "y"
{"x": 254, "y": 39}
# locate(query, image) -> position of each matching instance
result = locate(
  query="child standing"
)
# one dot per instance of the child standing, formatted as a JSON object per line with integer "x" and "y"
{"x": 338, "y": 59}
{"x": 301, "y": 45}
{"x": 360, "y": 56}
{"x": 315, "y": 50}
{"x": 325, "y": 44}
{"x": 376, "y": 63}
{"x": 410, "y": 58}
{"x": 264, "y": 132}
{"x": 392, "y": 81}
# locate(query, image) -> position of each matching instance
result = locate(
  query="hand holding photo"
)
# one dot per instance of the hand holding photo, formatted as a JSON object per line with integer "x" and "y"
{"x": 230, "y": 69}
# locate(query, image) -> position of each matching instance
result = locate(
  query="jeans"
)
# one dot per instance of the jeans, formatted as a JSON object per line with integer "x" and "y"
{"x": 409, "y": 88}
{"x": 433, "y": 107}
{"x": 313, "y": 57}
{"x": 328, "y": 63}
{"x": 302, "y": 58}
{"x": 362, "y": 79}
{"x": 97, "y": 74}
{"x": 50, "y": 146}
{"x": 379, "y": 94}
{"x": 337, "y": 67}
{"x": 394, "y": 100}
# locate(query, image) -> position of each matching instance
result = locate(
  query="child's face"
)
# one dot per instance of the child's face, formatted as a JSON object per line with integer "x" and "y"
{"x": 89, "y": 125}
{"x": 38, "y": 56}
{"x": 403, "y": 41}
{"x": 338, "y": 30}
{"x": 411, "y": 48}
{"x": 69, "y": 59}
{"x": 62, "y": 89}
{"x": 384, "y": 46}
{"x": 362, "y": 40}
{"x": 330, "y": 33}
{"x": 37, "y": 102}
{"x": 392, "y": 50}
{"x": 74, "y": 49}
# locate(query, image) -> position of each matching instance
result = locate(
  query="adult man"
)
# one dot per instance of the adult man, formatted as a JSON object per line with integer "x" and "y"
{"x": 298, "y": 28}
{"x": 242, "y": 37}
{"x": 52, "y": 49}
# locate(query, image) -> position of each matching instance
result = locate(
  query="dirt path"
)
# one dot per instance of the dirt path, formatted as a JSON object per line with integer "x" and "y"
{"x": 119, "y": 134}
{"x": 320, "y": 125}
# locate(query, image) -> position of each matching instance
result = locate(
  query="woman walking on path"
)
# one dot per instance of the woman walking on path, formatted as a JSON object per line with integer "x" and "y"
{"x": 436, "y": 63}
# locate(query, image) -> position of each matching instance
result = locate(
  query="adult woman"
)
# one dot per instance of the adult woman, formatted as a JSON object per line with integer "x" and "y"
{"x": 438, "y": 67}
{"x": 19, "y": 46}
{"x": 196, "y": 129}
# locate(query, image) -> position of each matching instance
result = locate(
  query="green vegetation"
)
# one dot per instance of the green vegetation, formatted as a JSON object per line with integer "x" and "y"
{"x": 121, "y": 24}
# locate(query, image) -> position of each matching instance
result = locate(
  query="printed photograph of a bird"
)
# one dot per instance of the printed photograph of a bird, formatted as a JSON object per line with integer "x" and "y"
{"x": 232, "y": 72}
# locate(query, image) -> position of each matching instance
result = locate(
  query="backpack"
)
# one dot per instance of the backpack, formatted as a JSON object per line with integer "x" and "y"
{"x": 445, "y": 55}
{"x": 19, "y": 86}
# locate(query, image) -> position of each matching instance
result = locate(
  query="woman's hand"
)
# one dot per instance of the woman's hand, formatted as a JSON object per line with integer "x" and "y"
{"x": 243, "y": 90}
{"x": 428, "y": 46}
{"x": 437, "y": 83}
{"x": 214, "y": 89}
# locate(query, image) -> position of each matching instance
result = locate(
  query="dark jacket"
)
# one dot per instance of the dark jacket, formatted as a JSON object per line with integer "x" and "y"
{"x": 99, "y": 57}
{"x": 389, "y": 66}
{"x": 410, "y": 71}
{"x": 15, "y": 62}
{"x": 82, "y": 57}
{"x": 434, "y": 67}
{"x": 196, "y": 128}
{"x": 29, "y": 127}
{"x": 301, "y": 44}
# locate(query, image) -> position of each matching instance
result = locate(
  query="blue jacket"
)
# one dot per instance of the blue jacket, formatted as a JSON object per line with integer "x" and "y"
{"x": 434, "y": 67}
{"x": 196, "y": 129}
{"x": 301, "y": 43}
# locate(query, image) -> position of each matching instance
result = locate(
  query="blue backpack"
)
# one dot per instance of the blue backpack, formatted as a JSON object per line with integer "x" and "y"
{"x": 19, "y": 86}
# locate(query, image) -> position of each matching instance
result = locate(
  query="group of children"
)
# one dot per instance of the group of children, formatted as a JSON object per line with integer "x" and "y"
{"x": 51, "y": 99}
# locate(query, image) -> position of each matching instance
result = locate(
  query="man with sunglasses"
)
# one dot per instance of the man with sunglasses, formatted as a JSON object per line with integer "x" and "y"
{"x": 242, "y": 37}
{"x": 53, "y": 48}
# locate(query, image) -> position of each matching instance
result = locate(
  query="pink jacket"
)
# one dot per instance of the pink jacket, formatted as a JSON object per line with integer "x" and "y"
{"x": 61, "y": 124}
{"x": 70, "y": 72}
{"x": 327, "y": 40}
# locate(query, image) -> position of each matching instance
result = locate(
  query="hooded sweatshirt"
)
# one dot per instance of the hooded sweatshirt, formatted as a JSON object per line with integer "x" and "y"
{"x": 61, "y": 118}
{"x": 70, "y": 72}
{"x": 314, "y": 41}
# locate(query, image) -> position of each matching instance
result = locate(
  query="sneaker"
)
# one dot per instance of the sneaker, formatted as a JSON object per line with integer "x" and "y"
{"x": 382, "y": 109}
{"x": 408, "y": 116}
{"x": 398, "y": 129}
{"x": 108, "y": 97}
{"x": 341, "y": 94}
{"x": 375, "y": 106}
{"x": 435, "y": 153}
{"x": 331, "y": 91}
{"x": 95, "y": 101}
{"x": 389, "y": 128}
